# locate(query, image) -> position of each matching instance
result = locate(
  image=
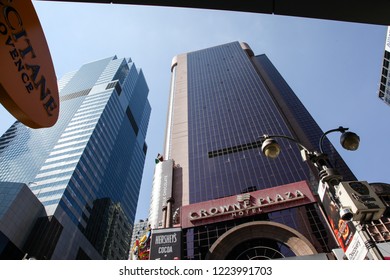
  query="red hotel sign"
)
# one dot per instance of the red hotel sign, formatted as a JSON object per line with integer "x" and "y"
{"x": 28, "y": 84}
{"x": 242, "y": 205}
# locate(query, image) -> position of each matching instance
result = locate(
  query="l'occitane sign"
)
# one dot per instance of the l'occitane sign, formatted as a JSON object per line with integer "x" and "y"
{"x": 28, "y": 84}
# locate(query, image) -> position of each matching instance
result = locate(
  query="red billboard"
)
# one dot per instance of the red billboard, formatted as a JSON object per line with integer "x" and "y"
{"x": 247, "y": 204}
{"x": 343, "y": 230}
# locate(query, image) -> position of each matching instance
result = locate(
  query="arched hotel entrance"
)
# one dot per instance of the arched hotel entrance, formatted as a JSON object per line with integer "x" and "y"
{"x": 260, "y": 240}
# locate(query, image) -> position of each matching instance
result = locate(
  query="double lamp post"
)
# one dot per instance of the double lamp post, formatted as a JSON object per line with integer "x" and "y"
{"x": 349, "y": 205}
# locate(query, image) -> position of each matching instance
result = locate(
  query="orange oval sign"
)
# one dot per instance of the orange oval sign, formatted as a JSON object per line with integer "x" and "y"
{"x": 28, "y": 84}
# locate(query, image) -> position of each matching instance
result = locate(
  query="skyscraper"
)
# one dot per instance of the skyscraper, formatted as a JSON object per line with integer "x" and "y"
{"x": 384, "y": 87}
{"x": 86, "y": 170}
{"x": 224, "y": 97}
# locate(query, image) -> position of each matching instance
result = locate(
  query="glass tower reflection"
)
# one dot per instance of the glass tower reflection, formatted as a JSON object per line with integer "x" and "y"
{"x": 89, "y": 164}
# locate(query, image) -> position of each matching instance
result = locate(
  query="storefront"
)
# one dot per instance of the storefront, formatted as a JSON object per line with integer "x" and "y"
{"x": 280, "y": 222}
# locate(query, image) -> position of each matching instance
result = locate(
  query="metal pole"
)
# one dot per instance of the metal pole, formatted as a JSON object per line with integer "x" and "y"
{"x": 368, "y": 242}
{"x": 164, "y": 218}
{"x": 168, "y": 222}
{"x": 330, "y": 177}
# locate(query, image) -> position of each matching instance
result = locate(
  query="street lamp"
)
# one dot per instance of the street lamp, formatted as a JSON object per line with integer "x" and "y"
{"x": 270, "y": 147}
{"x": 348, "y": 201}
{"x": 348, "y": 140}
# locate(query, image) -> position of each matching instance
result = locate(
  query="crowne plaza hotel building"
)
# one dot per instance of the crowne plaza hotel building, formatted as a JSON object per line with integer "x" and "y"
{"x": 230, "y": 201}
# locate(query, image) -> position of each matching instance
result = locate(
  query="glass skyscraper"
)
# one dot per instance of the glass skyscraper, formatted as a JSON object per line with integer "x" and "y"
{"x": 223, "y": 97}
{"x": 227, "y": 97}
{"x": 384, "y": 87}
{"x": 87, "y": 169}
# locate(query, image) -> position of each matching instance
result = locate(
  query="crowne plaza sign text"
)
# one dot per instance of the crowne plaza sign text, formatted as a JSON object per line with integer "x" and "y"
{"x": 247, "y": 204}
{"x": 28, "y": 85}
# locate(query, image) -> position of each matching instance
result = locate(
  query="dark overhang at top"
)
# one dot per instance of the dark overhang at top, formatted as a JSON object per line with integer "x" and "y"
{"x": 362, "y": 11}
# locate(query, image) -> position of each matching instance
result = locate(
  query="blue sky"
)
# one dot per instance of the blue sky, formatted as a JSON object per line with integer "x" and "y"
{"x": 333, "y": 67}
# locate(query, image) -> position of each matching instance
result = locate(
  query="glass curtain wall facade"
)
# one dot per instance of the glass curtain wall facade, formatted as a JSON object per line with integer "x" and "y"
{"x": 233, "y": 98}
{"x": 87, "y": 169}
{"x": 223, "y": 97}
{"x": 384, "y": 87}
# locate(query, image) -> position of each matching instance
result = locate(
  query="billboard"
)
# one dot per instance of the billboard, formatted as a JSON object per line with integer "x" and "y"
{"x": 166, "y": 244}
{"x": 28, "y": 84}
{"x": 344, "y": 231}
{"x": 161, "y": 191}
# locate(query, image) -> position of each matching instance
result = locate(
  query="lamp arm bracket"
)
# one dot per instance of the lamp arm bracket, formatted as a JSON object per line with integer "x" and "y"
{"x": 340, "y": 129}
